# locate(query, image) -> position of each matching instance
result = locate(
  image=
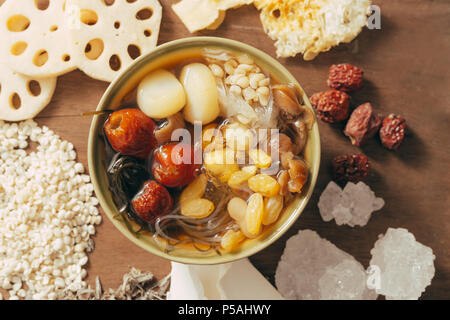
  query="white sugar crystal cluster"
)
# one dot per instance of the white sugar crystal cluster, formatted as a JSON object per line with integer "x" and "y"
{"x": 314, "y": 268}
{"x": 352, "y": 206}
{"x": 345, "y": 281}
{"x": 405, "y": 267}
{"x": 47, "y": 213}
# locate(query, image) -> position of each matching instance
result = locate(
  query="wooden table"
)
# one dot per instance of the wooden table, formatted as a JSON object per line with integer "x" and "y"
{"x": 406, "y": 66}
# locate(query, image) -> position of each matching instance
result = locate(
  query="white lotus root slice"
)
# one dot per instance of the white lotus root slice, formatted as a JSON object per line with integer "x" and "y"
{"x": 23, "y": 97}
{"x": 35, "y": 38}
{"x": 108, "y": 35}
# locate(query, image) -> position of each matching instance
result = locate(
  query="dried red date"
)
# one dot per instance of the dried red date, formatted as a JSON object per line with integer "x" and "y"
{"x": 130, "y": 132}
{"x": 152, "y": 201}
{"x": 332, "y": 106}
{"x": 362, "y": 125}
{"x": 345, "y": 77}
{"x": 392, "y": 131}
{"x": 353, "y": 168}
{"x": 173, "y": 164}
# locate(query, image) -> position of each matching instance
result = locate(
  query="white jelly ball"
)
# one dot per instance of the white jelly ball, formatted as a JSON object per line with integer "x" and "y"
{"x": 201, "y": 92}
{"x": 160, "y": 94}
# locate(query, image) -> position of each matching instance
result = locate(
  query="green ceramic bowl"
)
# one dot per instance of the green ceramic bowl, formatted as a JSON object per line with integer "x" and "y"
{"x": 127, "y": 81}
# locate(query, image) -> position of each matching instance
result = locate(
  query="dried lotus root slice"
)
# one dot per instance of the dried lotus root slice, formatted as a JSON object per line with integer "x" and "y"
{"x": 35, "y": 38}
{"x": 109, "y": 35}
{"x": 23, "y": 97}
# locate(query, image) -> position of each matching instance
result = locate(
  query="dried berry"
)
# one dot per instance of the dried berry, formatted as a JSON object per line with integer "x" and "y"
{"x": 345, "y": 77}
{"x": 174, "y": 165}
{"x": 362, "y": 125}
{"x": 392, "y": 131}
{"x": 152, "y": 201}
{"x": 353, "y": 168}
{"x": 130, "y": 132}
{"x": 332, "y": 105}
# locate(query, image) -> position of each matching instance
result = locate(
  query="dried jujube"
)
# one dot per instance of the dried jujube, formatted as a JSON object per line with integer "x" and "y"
{"x": 331, "y": 106}
{"x": 152, "y": 201}
{"x": 130, "y": 132}
{"x": 345, "y": 77}
{"x": 353, "y": 168}
{"x": 392, "y": 131}
{"x": 362, "y": 125}
{"x": 173, "y": 164}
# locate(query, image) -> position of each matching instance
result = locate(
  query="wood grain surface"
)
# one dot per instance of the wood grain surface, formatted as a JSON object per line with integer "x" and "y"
{"x": 406, "y": 66}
